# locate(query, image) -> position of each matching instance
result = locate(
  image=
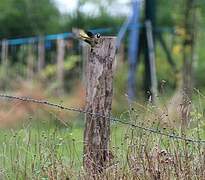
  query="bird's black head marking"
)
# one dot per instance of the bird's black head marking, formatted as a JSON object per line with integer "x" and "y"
{"x": 90, "y": 34}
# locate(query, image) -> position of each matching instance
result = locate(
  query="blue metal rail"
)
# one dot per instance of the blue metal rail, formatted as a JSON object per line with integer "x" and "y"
{"x": 20, "y": 41}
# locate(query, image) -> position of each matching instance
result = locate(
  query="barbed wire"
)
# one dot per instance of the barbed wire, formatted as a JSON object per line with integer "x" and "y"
{"x": 115, "y": 119}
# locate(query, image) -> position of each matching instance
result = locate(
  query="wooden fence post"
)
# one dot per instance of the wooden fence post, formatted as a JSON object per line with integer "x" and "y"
{"x": 4, "y": 55}
{"x": 30, "y": 61}
{"x": 60, "y": 63}
{"x": 41, "y": 54}
{"x": 99, "y": 92}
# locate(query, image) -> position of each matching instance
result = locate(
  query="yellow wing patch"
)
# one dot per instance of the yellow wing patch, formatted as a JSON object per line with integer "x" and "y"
{"x": 80, "y": 33}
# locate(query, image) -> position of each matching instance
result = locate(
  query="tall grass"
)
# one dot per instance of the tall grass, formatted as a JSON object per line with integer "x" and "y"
{"x": 49, "y": 143}
{"x": 45, "y": 150}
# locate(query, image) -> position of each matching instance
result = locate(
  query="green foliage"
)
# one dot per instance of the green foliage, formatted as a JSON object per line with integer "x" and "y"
{"x": 51, "y": 69}
{"x": 42, "y": 150}
{"x": 86, "y": 21}
{"x": 20, "y": 18}
{"x": 27, "y": 17}
{"x": 170, "y": 13}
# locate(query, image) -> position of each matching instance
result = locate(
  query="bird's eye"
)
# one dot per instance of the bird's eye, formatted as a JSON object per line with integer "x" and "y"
{"x": 98, "y": 35}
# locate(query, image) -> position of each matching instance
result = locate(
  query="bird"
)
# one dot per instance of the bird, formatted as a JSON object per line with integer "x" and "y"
{"x": 86, "y": 36}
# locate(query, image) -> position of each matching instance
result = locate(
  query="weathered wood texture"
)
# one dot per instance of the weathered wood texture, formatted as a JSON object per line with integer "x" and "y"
{"x": 41, "y": 54}
{"x": 30, "y": 61}
{"x": 60, "y": 63}
{"x": 4, "y": 51}
{"x": 99, "y": 92}
{"x": 4, "y": 55}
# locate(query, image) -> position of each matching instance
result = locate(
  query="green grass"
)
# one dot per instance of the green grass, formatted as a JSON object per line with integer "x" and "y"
{"x": 50, "y": 151}
{"x": 44, "y": 148}
{"x": 37, "y": 149}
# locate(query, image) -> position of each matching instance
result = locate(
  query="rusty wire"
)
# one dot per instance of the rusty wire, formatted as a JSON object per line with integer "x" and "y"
{"x": 115, "y": 119}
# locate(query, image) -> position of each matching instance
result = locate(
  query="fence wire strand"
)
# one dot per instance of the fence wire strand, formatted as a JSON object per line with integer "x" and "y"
{"x": 115, "y": 119}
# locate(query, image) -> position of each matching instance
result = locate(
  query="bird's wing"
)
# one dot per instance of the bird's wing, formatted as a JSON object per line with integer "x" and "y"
{"x": 80, "y": 33}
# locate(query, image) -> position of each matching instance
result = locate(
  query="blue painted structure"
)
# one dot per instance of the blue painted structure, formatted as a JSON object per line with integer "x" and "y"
{"x": 127, "y": 25}
{"x": 133, "y": 49}
{"x": 133, "y": 25}
{"x": 20, "y": 41}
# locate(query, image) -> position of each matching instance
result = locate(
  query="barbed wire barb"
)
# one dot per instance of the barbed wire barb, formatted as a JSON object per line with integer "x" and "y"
{"x": 115, "y": 119}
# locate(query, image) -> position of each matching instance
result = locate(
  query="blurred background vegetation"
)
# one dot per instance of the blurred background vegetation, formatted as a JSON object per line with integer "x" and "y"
{"x": 27, "y": 18}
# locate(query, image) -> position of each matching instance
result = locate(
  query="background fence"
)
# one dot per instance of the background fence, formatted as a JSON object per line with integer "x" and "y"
{"x": 51, "y": 58}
